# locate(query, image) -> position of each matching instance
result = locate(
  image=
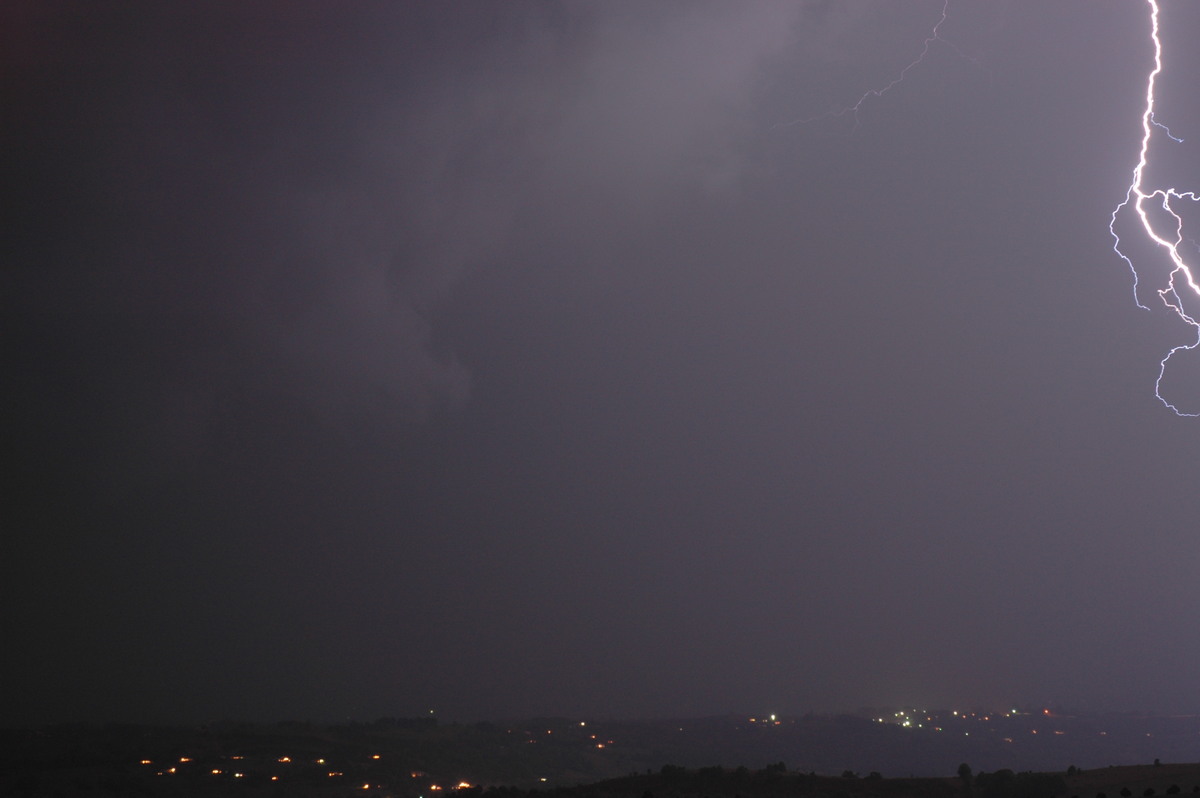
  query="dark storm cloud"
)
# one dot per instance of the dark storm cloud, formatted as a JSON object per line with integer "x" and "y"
{"x": 233, "y": 227}
{"x": 239, "y": 185}
{"x": 288, "y": 199}
{"x": 525, "y": 359}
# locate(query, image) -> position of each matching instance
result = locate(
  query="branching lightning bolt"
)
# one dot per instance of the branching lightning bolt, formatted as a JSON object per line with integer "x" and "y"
{"x": 1138, "y": 197}
{"x": 934, "y": 36}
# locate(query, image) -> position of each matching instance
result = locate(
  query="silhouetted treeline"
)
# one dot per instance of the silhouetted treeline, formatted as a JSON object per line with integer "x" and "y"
{"x": 674, "y": 781}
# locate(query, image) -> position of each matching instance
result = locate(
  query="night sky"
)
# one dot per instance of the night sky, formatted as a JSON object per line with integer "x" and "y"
{"x": 505, "y": 359}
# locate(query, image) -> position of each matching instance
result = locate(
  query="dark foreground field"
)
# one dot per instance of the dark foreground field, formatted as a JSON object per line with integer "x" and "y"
{"x": 669, "y": 782}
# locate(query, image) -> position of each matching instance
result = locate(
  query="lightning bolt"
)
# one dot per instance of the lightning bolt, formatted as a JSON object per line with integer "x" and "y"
{"x": 1142, "y": 200}
{"x": 934, "y": 36}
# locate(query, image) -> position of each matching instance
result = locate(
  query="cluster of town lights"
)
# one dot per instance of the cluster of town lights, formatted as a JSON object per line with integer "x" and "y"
{"x": 284, "y": 760}
{"x": 593, "y": 739}
{"x": 916, "y": 719}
